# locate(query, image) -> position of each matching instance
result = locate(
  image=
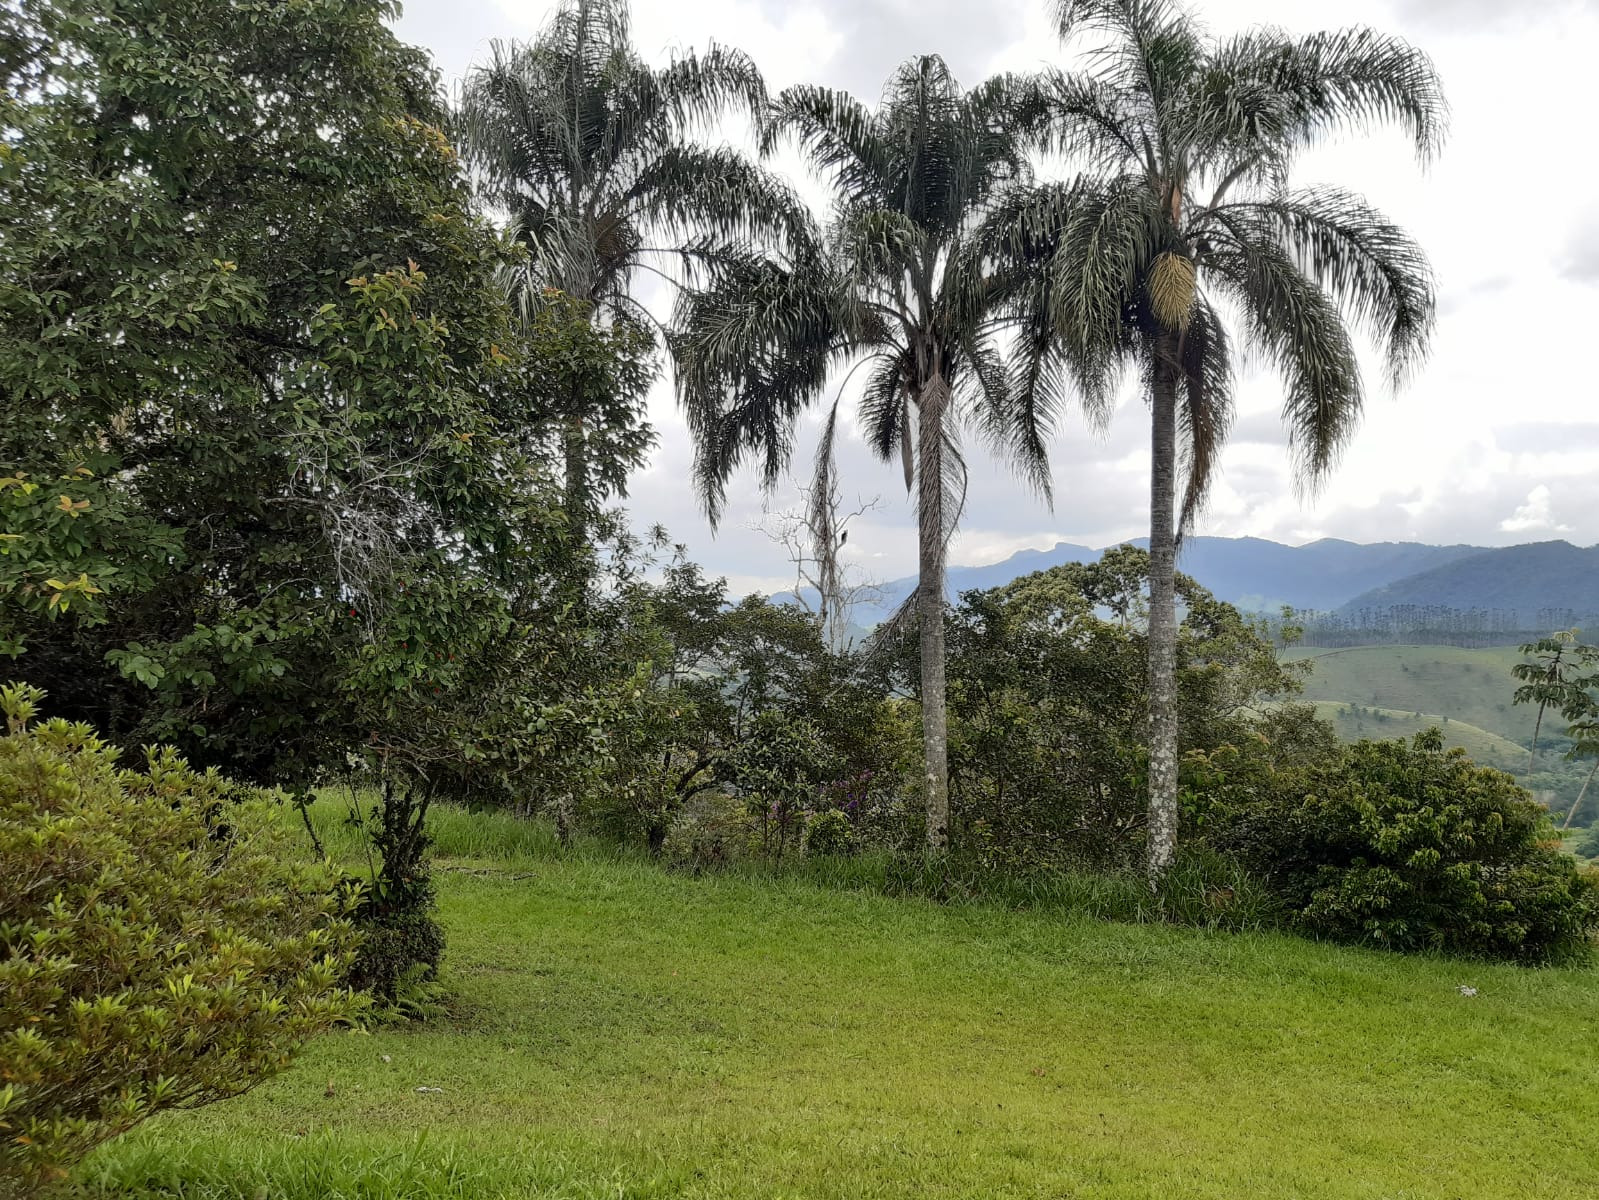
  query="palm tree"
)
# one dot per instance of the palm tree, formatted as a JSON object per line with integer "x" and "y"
{"x": 1186, "y": 210}
{"x": 892, "y": 288}
{"x": 588, "y": 152}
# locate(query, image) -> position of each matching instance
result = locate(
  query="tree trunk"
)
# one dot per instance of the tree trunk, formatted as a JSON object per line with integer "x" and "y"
{"x": 1532, "y": 763}
{"x": 930, "y": 596}
{"x": 576, "y": 499}
{"x": 1163, "y": 611}
{"x": 1577, "y": 803}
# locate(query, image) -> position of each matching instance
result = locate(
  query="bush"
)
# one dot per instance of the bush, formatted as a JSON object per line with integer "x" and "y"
{"x": 831, "y": 833}
{"x": 1588, "y": 844}
{"x": 1410, "y": 847}
{"x": 160, "y": 945}
{"x": 397, "y": 947}
{"x": 713, "y": 830}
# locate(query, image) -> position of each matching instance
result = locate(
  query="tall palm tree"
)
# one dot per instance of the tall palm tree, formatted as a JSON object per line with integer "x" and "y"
{"x": 890, "y": 287}
{"x": 1186, "y": 211}
{"x": 589, "y": 153}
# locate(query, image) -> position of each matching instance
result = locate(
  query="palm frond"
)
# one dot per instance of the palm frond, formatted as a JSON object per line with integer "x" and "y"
{"x": 1295, "y": 326}
{"x": 885, "y": 413}
{"x": 1342, "y": 81}
{"x": 687, "y": 190}
{"x": 1110, "y": 237}
{"x": 753, "y": 348}
{"x": 699, "y": 89}
{"x": 835, "y": 132}
{"x": 1205, "y": 409}
{"x": 1373, "y": 268}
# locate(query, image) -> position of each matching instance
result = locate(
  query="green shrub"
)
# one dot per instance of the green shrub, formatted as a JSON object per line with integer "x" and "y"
{"x": 160, "y": 944}
{"x": 1410, "y": 847}
{"x": 397, "y": 947}
{"x": 713, "y": 830}
{"x": 399, "y": 937}
{"x": 1588, "y": 844}
{"x": 831, "y": 833}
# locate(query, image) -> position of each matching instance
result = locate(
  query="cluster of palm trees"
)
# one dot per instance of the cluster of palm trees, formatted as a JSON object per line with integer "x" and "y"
{"x": 977, "y": 297}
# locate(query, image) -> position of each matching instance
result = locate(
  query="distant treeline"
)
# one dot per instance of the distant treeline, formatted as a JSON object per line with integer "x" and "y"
{"x": 1435, "y": 624}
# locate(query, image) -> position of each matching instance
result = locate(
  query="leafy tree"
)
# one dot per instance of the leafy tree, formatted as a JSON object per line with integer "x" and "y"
{"x": 1189, "y": 143}
{"x": 249, "y": 337}
{"x": 1047, "y": 695}
{"x": 589, "y": 153}
{"x": 1551, "y": 680}
{"x": 894, "y": 285}
{"x": 741, "y": 697}
{"x": 279, "y": 478}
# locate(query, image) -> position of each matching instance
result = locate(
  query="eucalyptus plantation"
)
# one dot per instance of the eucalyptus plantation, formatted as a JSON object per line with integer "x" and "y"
{"x": 1187, "y": 211}
{"x": 894, "y": 287}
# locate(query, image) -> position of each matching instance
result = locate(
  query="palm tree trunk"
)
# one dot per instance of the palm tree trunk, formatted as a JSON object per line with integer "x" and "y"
{"x": 1532, "y": 762}
{"x": 1577, "y": 803}
{"x": 1163, "y": 611}
{"x": 930, "y": 407}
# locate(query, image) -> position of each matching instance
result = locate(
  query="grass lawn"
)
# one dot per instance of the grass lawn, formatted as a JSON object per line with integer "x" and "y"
{"x": 623, "y": 1033}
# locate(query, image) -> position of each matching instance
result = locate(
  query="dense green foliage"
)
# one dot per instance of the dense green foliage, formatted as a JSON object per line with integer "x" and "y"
{"x": 1406, "y": 846}
{"x": 743, "y": 698}
{"x": 162, "y": 945}
{"x": 280, "y": 487}
{"x": 1047, "y": 699}
{"x": 241, "y": 290}
{"x": 621, "y": 1030}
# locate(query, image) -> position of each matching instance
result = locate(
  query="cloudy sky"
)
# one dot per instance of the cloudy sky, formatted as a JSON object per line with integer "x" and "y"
{"x": 1495, "y": 442}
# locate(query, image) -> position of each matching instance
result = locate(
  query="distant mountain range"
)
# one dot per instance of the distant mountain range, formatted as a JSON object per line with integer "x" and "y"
{"x": 1332, "y": 575}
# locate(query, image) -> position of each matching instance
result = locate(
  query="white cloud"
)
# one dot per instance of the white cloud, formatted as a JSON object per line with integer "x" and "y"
{"x": 1534, "y": 516}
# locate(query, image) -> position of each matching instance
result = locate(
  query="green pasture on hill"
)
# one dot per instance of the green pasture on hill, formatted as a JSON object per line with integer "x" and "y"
{"x": 1356, "y": 722}
{"x": 1473, "y": 687}
{"x": 623, "y": 1033}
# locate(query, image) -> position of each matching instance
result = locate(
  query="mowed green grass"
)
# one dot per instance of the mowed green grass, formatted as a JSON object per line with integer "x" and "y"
{"x": 1473, "y": 687}
{"x": 623, "y": 1033}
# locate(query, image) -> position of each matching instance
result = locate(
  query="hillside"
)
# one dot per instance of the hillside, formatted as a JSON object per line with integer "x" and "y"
{"x": 1250, "y": 572}
{"x": 623, "y": 1032}
{"x": 1354, "y": 722}
{"x": 1529, "y": 579}
{"x": 1471, "y": 687}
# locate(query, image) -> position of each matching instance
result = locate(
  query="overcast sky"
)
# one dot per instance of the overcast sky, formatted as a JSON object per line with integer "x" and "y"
{"x": 1495, "y": 442}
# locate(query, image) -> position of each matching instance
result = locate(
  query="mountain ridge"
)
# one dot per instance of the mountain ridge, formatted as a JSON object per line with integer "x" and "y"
{"x": 1332, "y": 575}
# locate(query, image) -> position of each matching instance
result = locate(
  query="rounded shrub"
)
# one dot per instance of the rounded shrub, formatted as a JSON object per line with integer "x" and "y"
{"x": 161, "y": 944}
{"x": 1409, "y": 846}
{"x": 397, "y": 946}
{"x": 1588, "y": 844}
{"x": 831, "y": 833}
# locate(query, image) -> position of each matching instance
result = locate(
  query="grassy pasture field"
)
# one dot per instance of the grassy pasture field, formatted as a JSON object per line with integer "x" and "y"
{"x": 620, "y": 1032}
{"x": 1471, "y": 687}
{"x": 1371, "y": 722}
